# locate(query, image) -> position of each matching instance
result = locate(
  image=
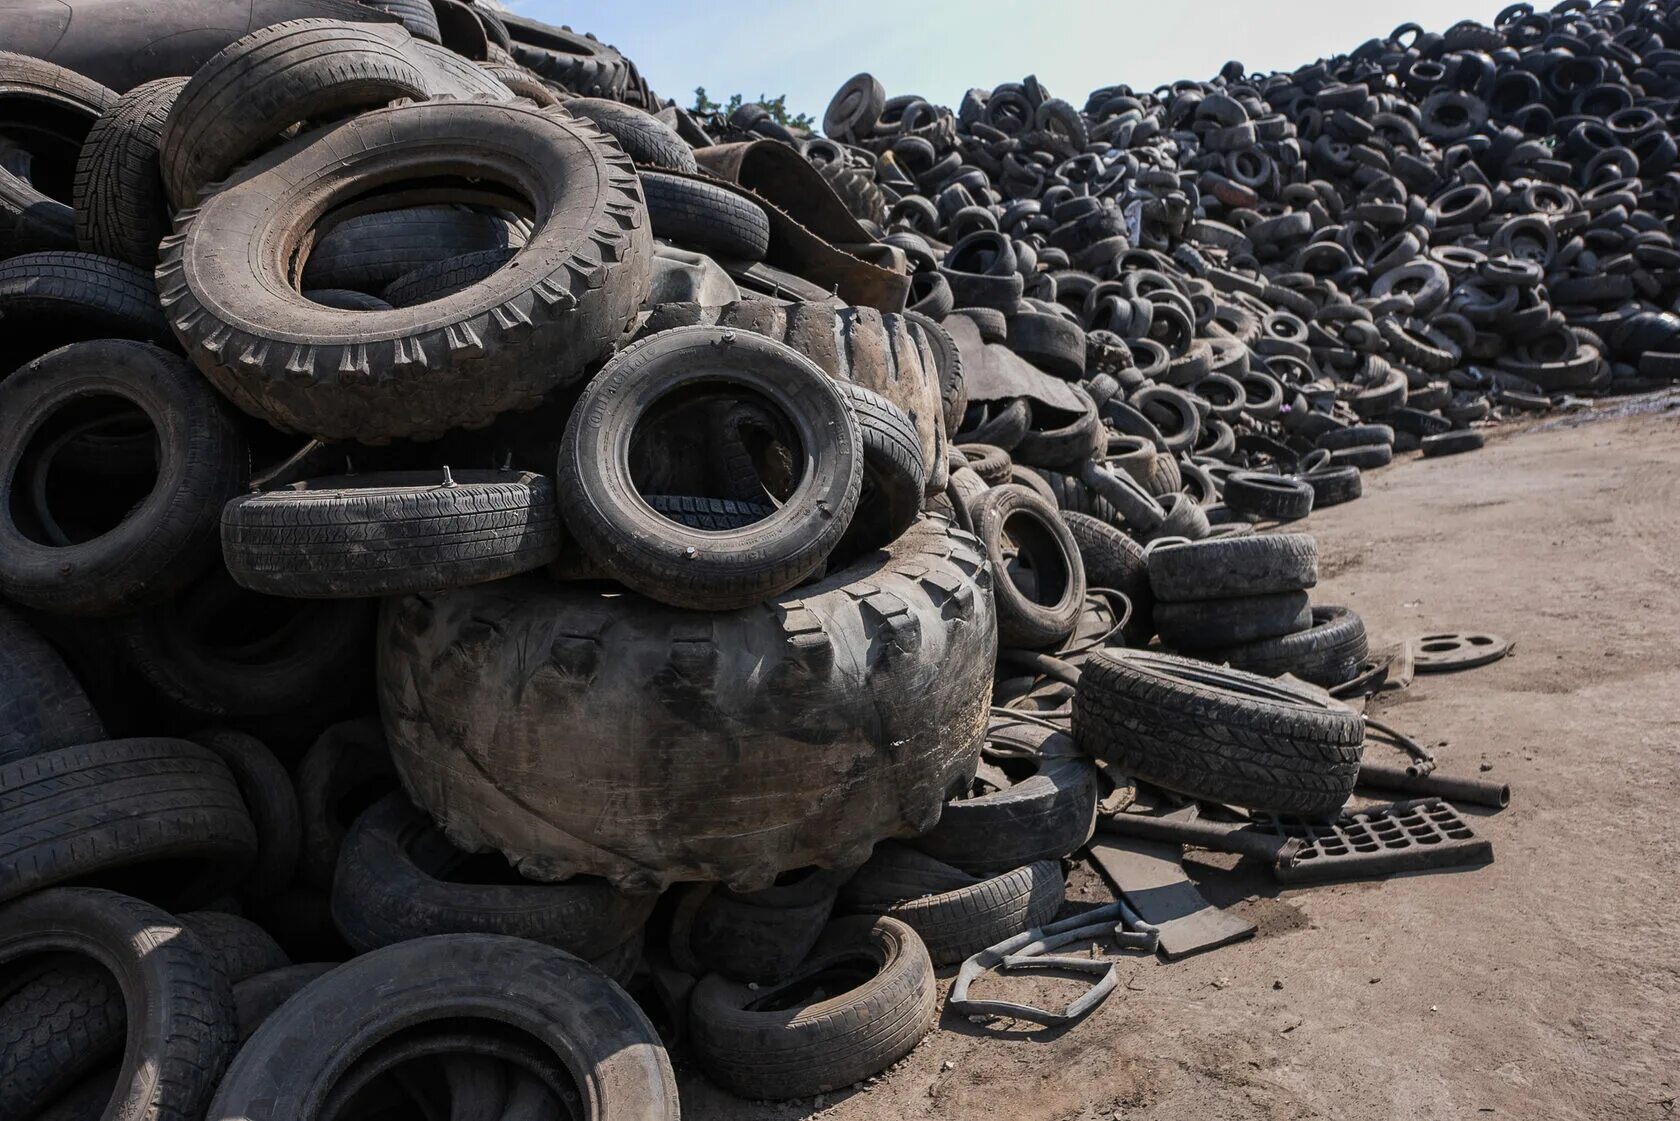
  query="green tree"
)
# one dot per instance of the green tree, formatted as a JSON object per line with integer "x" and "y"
{"x": 777, "y": 107}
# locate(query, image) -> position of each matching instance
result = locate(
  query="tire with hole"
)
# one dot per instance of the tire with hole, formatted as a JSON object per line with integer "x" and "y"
{"x": 454, "y": 362}
{"x": 390, "y": 532}
{"x": 168, "y": 537}
{"x": 896, "y": 650}
{"x": 140, "y": 805}
{"x": 964, "y": 920}
{"x": 1216, "y": 734}
{"x": 814, "y": 1047}
{"x": 30, "y": 222}
{"x": 61, "y": 1025}
{"x": 48, "y": 110}
{"x": 179, "y": 1011}
{"x": 1046, "y": 611}
{"x": 697, "y": 569}
{"x": 568, "y": 1015}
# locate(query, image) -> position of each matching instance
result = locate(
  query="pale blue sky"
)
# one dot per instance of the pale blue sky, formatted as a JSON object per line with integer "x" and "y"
{"x": 939, "y": 48}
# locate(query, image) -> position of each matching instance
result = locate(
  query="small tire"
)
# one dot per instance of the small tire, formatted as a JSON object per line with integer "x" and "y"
{"x": 1047, "y": 612}
{"x": 1452, "y": 443}
{"x": 1334, "y": 485}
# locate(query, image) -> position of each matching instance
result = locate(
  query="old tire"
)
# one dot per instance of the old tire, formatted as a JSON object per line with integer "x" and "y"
{"x": 1218, "y": 735}
{"x": 706, "y": 217}
{"x": 460, "y": 360}
{"x": 1040, "y": 606}
{"x": 644, "y": 138}
{"x": 266, "y": 788}
{"x": 1206, "y": 624}
{"x": 896, "y": 650}
{"x": 1328, "y": 653}
{"x": 1219, "y": 568}
{"x": 389, "y": 533}
{"x": 964, "y": 920}
{"x": 72, "y": 297}
{"x": 122, "y": 210}
{"x": 42, "y": 705}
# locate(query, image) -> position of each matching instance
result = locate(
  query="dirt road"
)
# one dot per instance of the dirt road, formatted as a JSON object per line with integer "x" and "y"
{"x": 1545, "y": 986}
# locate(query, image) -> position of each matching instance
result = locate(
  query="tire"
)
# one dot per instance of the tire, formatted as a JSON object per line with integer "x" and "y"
{"x": 269, "y": 797}
{"x": 240, "y": 948}
{"x": 1205, "y": 624}
{"x": 344, "y": 299}
{"x": 293, "y": 655}
{"x": 991, "y": 464}
{"x": 1452, "y": 443}
{"x": 712, "y": 514}
{"x": 61, "y": 1025}
{"x": 521, "y": 81}
{"x": 1218, "y": 735}
{"x": 1050, "y": 342}
{"x": 168, "y": 537}
{"x": 1268, "y": 496}
{"x": 1004, "y": 427}
{"x": 418, "y": 16}
{"x": 644, "y": 138}
{"x": 1045, "y": 613}
{"x": 963, "y": 921}
{"x": 855, "y": 109}
{"x": 74, "y": 297}
{"x": 692, "y": 568}
{"x": 1328, "y": 654}
{"x": 371, "y": 252}
{"x": 256, "y": 998}
{"x": 953, "y": 392}
{"x": 1136, "y": 506}
{"x": 30, "y": 222}
{"x": 455, "y": 362}
{"x": 893, "y": 472}
{"x": 179, "y": 1011}
{"x": 344, "y": 772}
{"x": 1221, "y": 568}
{"x": 564, "y": 1010}
{"x": 706, "y": 217}
{"x": 139, "y": 806}
{"x": 1114, "y": 561}
{"x": 48, "y": 110}
{"x": 813, "y": 1047}
{"x": 122, "y": 210}
{"x": 1334, "y": 485}
{"x": 1047, "y": 812}
{"x": 445, "y": 277}
{"x": 896, "y": 650}
{"x": 1365, "y": 457}
{"x": 42, "y": 705}
{"x": 399, "y": 879}
{"x": 1068, "y": 446}
{"x": 390, "y": 533}
{"x": 256, "y": 87}
{"x": 1355, "y": 436}
{"x": 763, "y": 936}
{"x": 1185, "y": 518}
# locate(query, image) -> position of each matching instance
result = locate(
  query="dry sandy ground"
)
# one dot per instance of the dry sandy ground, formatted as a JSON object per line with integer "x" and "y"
{"x": 1544, "y": 986}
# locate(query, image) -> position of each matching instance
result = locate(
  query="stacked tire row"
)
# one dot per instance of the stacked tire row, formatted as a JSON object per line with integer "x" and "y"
{"x": 446, "y": 537}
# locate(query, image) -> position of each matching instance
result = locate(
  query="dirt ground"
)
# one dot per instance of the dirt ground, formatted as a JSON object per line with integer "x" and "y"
{"x": 1545, "y": 985}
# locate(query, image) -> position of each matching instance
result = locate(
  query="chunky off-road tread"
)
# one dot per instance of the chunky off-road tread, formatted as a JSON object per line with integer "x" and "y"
{"x": 1219, "y": 568}
{"x": 389, "y": 533}
{"x": 42, "y": 705}
{"x": 181, "y": 1015}
{"x": 1219, "y": 735}
{"x": 122, "y": 210}
{"x": 958, "y": 923}
{"x": 454, "y": 362}
{"x": 1328, "y": 653}
{"x": 89, "y": 810}
{"x": 372, "y": 252}
{"x": 815, "y": 1047}
{"x": 886, "y": 665}
{"x": 256, "y": 87}
{"x": 706, "y": 217}
{"x": 1199, "y": 625}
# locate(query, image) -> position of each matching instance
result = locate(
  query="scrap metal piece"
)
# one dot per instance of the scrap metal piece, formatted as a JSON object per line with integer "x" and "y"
{"x": 1477, "y": 792}
{"x": 1381, "y": 841}
{"x": 1453, "y": 650}
{"x": 1149, "y": 875}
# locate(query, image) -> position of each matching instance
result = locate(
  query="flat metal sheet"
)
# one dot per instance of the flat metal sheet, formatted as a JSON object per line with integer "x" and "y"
{"x": 1150, "y": 875}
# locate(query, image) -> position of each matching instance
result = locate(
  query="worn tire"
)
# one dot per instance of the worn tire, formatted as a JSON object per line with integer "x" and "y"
{"x": 1328, "y": 653}
{"x": 813, "y": 1047}
{"x": 763, "y": 935}
{"x": 1209, "y": 623}
{"x": 122, "y": 209}
{"x": 239, "y": 947}
{"x": 1046, "y": 613}
{"x": 372, "y": 252}
{"x": 644, "y": 138}
{"x": 30, "y": 222}
{"x": 567, "y": 1010}
{"x": 450, "y": 363}
{"x": 1268, "y": 496}
{"x": 344, "y": 772}
{"x": 390, "y": 533}
{"x": 1259, "y": 564}
{"x": 714, "y": 571}
{"x": 893, "y": 471}
{"x": 48, "y": 110}
{"x": 72, "y": 297}
{"x": 1333, "y": 485}
{"x": 266, "y": 788}
{"x": 896, "y": 650}
{"x": 178, "y": 1009}
{"x": 706, "y": 217}
{"x": 255, "y": 999}
{"x": 962, "y": 921}
{"x": 90, "y": 810}
{"x": 398, "y": 879}
{"x": 1218, "y": 735}
{"x": 42, "y": 705}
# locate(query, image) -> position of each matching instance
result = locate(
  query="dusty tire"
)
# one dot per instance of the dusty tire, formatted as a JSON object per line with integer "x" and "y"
{"x": 139, "y": 805}
{"x": 73, "y": 297}
{"x": 256, "y": 87}
{"x": 712, "y": 571}
{"x": 763, "y": 935}
{"x": 42, "y": 705}
{"x": 1219, "y": 735}
{"x": 61, "y": 1025}
{"x": 372, "y": 252}
{"x": 344, "y": 772}
{"x": 644, "y": 138}
{"x": 811, "y": 1048}
{"x": 567, "y": 1011}
{"x": 706, "y": 217}
{"x": 893, "y": 473}
{"x": 48, "y": 110}
{"x": 1041, "y": 607}
{"x": 398, "y": 879}
{"x": 454, "y": 362}
{"x": 1268, "y": 496}
{"x": 389, "y": 533}
{"x": 898, "y": 649}
{"x": 964, "y": 920}
{"x": 122, "y": 210}
{"x": 1210, "y": 623}
{"x": 1220, "y": 568}
{"x": 1328, "y": 653}
{"x": 179, "y": 1011}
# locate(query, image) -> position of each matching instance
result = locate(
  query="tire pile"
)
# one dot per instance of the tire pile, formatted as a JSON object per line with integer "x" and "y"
{"x": 464, "y": 518}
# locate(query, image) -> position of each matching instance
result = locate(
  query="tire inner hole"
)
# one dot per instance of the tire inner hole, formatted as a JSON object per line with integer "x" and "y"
{"x": 1034, "y": 559}
{"x": 720, "y": 442}
{"x": 84, "y": 471}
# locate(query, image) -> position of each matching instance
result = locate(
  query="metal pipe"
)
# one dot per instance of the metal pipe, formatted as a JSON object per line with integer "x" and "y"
{"x": 1239, "y": 839}
{"x": 1475, "y": 791}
